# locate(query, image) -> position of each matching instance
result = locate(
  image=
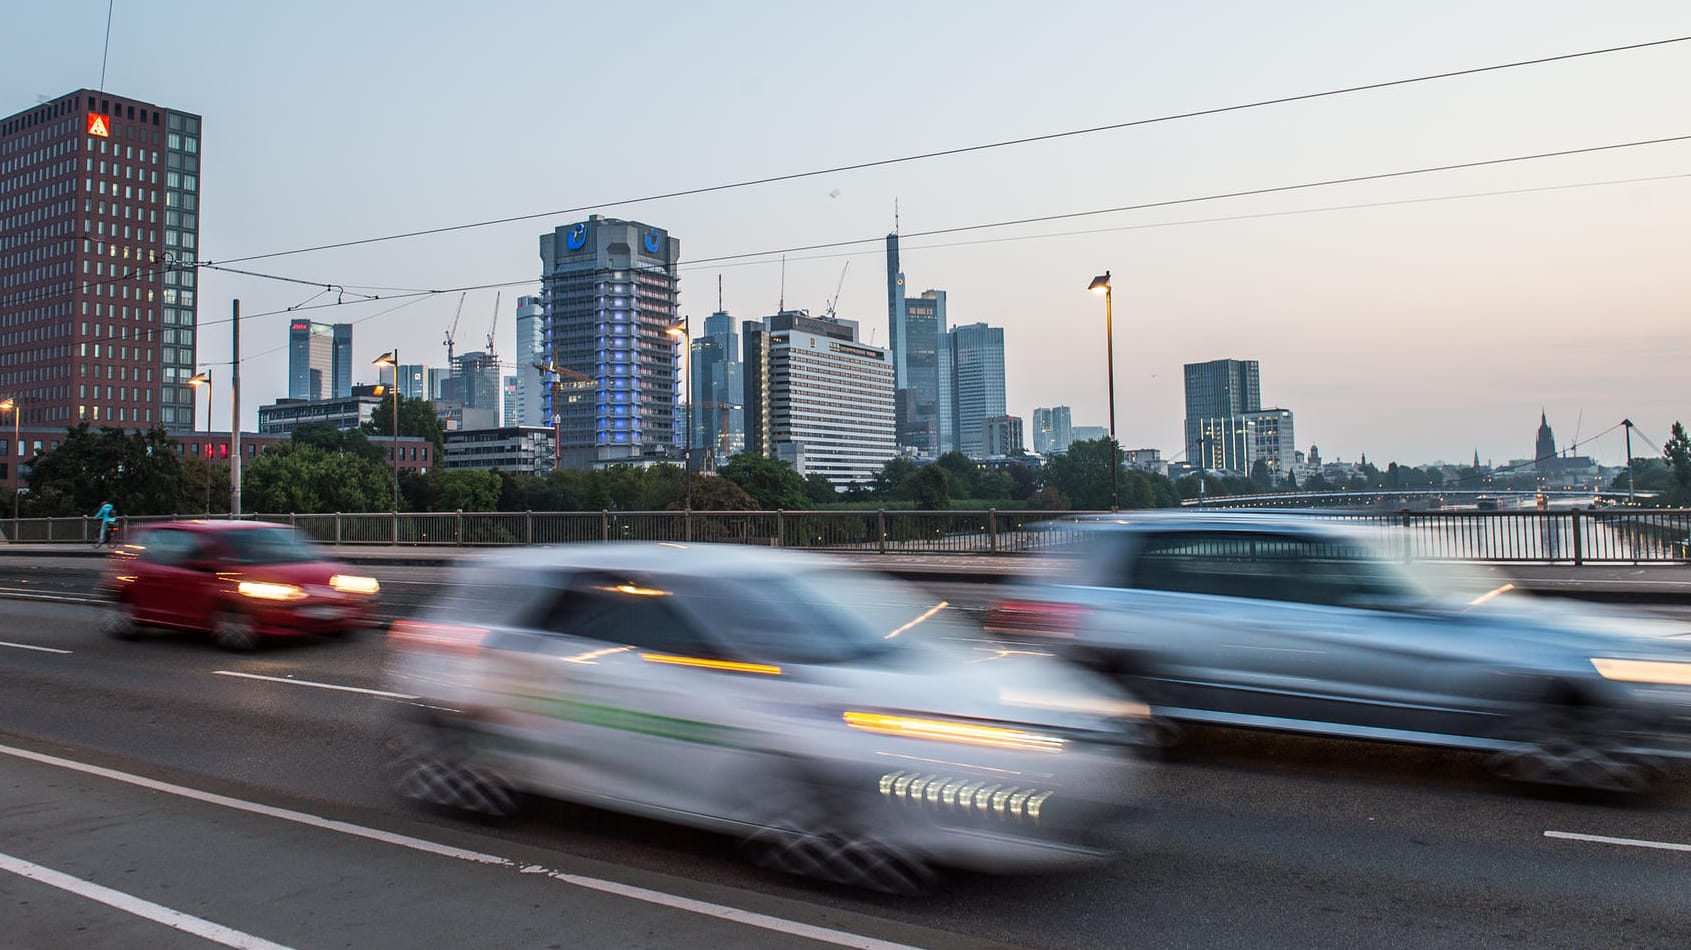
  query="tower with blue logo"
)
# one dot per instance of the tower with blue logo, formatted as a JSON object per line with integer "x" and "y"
{"x": 609, "y": 289}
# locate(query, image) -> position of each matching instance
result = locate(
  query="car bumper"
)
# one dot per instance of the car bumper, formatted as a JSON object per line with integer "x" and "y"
{"x": 314, "y": 618}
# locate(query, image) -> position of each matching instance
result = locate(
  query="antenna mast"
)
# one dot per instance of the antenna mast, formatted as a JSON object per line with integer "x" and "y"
{"x": 781, "y": 305}
{"x": 106, "y": 53}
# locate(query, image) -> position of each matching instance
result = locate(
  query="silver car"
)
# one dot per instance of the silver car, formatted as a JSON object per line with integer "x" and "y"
{"x": 1302, "y": 624}
{"x": 827, "y": 715}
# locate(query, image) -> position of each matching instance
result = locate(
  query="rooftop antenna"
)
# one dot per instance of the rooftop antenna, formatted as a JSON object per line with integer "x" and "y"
{"x": 781, "y": 305}
{"x": 105, "y": 53}
{"x": 895, "y": 215}
{"x": 718, "y": 293}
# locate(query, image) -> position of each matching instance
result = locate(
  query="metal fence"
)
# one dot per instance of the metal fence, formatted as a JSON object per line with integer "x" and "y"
{"x": 1577, "y": 536}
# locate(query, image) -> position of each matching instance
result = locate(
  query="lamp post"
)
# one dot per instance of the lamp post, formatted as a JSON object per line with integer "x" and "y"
{"x": 203, "y": 378}
{"x": 685, "y": 332}
{"x": 1101, "y": 285}
{"x": 11, "y": 405}
{"x": 391, "y": 358}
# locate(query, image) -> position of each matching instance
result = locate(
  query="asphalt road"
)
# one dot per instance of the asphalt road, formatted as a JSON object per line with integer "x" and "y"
{"x": 1245, "y": 840}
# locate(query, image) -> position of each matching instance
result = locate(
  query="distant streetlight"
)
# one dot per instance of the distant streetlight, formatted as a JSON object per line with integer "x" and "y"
{"x": 198, "y": 380}
{"x": 1101, "y": 285}
{"x": 391, "y": 358}
{"x": 684, "y": 330}
{"x": 11, "y": 405}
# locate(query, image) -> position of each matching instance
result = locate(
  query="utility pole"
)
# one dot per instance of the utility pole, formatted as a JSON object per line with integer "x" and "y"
{"x": 1629, "y": 478}
{"x": 235, "y": 412}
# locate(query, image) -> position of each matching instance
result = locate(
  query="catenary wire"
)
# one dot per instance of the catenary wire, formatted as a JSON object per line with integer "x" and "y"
{"x": 967, "y": 149}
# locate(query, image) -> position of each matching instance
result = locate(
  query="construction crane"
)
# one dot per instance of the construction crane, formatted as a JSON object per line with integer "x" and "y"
{"x": 493, "y": 357}
{"x": 452, "y": 333}
{"x": 835, "y": 300}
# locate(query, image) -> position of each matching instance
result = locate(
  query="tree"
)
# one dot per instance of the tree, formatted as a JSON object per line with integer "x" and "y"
{"x": 929, "y": 487}
{"x": 965, "y": 474}
{"x": 417, "y": 418}
{"x": 1261, "y": 477}
{"x": 772, "y": 482}
{"x": 296, "y": 479}
{"x": 138, "y": 472}
{"x": 818, "y": 490}
{"x": 1677, "y": 454}
{"x": 1082, "y": 474}
{"x": 712, "y": 493}
{"x": 467, "y": 489}
{"x": 329, "y": 438}
{"x": 892, "y": 474}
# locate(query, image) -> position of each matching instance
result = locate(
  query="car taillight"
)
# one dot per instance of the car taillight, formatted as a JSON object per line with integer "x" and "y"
{"x": 442, "y": 637}
{"x": 1037, "y": 617}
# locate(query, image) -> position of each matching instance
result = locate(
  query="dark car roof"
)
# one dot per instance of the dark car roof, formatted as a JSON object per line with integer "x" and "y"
{"x": 218, "y": 525}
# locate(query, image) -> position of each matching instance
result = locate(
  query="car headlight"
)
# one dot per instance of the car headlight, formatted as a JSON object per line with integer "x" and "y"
{"x": 945, "y": 730}
{"x": 262, "y": 590}
{"x": 1662, "y": 672}
{"x": 353, "y": 584}
{"x": 1100, "y": 706}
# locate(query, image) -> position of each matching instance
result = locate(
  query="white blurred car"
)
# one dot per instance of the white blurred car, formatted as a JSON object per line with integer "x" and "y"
{"x": 825, "y": 714}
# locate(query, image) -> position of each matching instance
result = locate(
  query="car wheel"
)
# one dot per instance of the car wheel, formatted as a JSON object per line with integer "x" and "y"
{"x": 118, "y": 621}
{"x": 806, "y": 832}
{"x": 234, "y": 630}
{"x": 430, "y": 763}
{"x": 1571, "y": 743}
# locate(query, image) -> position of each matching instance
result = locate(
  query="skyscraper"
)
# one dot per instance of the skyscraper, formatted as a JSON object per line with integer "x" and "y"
{"x": 99, "y": 218}
{"x": 718, "y": 390}
{"x": 925, "y": 421}
{"x": 1053, "y": 430}
{"x": 508, "y": 411}
{"x": 477, "y": 382}
{"x": 610, "y": 295}
{"x": 319, "y": 360}
{"x": 531, "y": 349}
{"x": 1218, "y": 394}
{"x": 977, "y": 366}
{"x": 817, "y": 397}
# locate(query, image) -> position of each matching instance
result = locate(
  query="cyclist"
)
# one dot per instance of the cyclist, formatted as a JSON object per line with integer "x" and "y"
{"x": 107, "y": 516}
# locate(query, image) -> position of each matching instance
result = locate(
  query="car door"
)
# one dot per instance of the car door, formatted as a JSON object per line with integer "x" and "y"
{"x": 645, "y": 701}
{"x": 166, "y": 590}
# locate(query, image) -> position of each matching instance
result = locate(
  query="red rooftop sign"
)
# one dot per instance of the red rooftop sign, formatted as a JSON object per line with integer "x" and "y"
{"x": 100, "y": 125}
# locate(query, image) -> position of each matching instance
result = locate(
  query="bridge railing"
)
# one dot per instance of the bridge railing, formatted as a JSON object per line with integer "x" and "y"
{"x": 1578, "y": 536}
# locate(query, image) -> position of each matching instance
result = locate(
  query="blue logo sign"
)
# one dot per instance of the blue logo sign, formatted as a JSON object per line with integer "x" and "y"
{"x": 652, "y": 241}
{"x": 576, "y": 238}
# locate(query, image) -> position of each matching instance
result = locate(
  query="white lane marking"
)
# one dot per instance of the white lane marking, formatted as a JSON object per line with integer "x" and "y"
{"x": 129, "y": 903}
{"x": 294, "y": 682}
{"x": 1629, "y": 842}
{"x": 26, "y": 646}
{"x": 839, "y": 938}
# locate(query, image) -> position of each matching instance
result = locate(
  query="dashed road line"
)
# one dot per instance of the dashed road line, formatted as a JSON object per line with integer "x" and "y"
{"x": 30, "y": 646}
{"x": 130, "y": 904}
{"x": 1627, "y": 842}
{"x": 297, "y": 682}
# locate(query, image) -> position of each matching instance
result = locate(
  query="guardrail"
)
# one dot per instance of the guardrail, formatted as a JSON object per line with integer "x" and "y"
{"x": 1578, "y": 536}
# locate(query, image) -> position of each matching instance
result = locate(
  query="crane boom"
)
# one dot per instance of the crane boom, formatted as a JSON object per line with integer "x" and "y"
{"x": 838, "y": 288}
{"x": 491, "y": 355}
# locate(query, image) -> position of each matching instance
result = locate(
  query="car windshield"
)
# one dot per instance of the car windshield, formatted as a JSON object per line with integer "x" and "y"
{"x": 826, "y": 616}
{"x": 270, "y": 546}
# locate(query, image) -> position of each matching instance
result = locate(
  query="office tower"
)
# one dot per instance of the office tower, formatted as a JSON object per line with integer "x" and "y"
{"x": 1053, "y": 430}
{"x": 1002, "y": 435}
{"x": 476, "y": 380}
{"x": 320, "y": 360}
{"x": 1218, "y": 394}
{"x": 342, "y": 363}
{"x": 1269, "y": 437}
{"x": 925, "y": 421}
{"x": 895, "y": 310}
{"x": 413, "y": 379}
{"x": 530, "y": 400}
{"x": 817, "y": 397}
{"x": 99, "y": 216}
{"x": 977, "y": 368}
{"x": 609, "y": 289}
{"x": 438, "y": 380}
{"x": 718, "y": 388}
{"x": 508, "y": 402}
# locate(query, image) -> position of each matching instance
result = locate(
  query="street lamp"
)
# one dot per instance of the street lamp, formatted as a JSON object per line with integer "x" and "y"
{"x": 11, "y": 405}
{"x": 685, "y": 331}
{"x": 391, "y": 358}
{"x": 1101, "y": 285}
{"x": 203, "y": 378}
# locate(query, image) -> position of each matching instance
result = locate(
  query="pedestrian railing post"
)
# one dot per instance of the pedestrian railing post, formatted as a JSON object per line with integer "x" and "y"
{"x": 396, "y": 529}
{"x": 528, "y": 527}
{"x": 992, "y": 530}
{"x": 337, "y": 527}
{"x": 881, "y": 527}
{"x": 687, "y": 524}
{"x": 1579, "y": 541}
{"x": 780, "y": 526}
{"x": 604, "y": 525}
{"x": 458, "y": 527}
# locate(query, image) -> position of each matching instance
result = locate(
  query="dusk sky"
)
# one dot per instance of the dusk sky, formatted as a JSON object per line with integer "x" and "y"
{"x": 1411, "y": 331}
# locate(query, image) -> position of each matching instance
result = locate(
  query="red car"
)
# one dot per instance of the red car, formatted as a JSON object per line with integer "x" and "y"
{"x": 240, "y": 581}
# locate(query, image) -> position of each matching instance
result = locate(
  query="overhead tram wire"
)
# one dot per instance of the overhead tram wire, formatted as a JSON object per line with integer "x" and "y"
{"x": 968, "y": 149}
{"x": 959, "y": 229}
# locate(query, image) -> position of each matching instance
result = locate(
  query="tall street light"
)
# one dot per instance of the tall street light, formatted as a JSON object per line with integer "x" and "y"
{"x": 685, "y": 332}
{"x": 11, "y": 406}
{"x": 203, "y": 378}
{"x": 391, "y": 358}
{"x": 1101, "y": 285}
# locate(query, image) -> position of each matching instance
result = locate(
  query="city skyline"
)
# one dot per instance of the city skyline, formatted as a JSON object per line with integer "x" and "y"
{"x": 1476, "y": 311}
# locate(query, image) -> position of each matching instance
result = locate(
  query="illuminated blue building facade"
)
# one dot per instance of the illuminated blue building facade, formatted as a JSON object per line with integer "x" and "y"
{"x": 609, "y": 290}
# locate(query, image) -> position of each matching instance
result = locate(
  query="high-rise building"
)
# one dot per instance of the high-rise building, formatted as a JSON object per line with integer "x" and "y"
{"x": 1002, "y": 435}
{"x": 413, "y": 379}
{"x": 320, "y": 360}
{"x": 977, "y": 368}
{"x": 531, "y": 350}
{"x": 508, "y": 405}
{"x": 718, "y": 389}
{"x": 1053, "y": 430}
{"x": 1218, "y": 394}
{"x": 476, "y": 379}
{"x": 817, "y": 396}
{"x": 1269, "y": 437}
{"x": 925, "y": 422}
{"x": 99, "y": 220}
{"x": 610, "y": 291}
